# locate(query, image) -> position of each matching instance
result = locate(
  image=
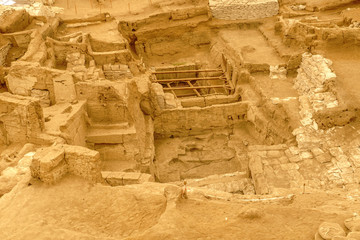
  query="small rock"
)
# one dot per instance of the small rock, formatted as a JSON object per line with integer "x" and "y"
{"x": 328, "y": 230}
{"x": 323, "y": 158}
{"x": 317, "y": 151}
{"x": 251, "y": 213}
{"x": 146, "y": 107}
{"x": 352, "y": 222}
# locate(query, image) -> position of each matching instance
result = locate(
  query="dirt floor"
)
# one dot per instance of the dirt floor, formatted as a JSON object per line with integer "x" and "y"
{"x": 74, "y": 209}
{"x": 348, "y": 74}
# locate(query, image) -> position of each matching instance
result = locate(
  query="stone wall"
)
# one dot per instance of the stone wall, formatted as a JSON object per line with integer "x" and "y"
{"x": 314, "y": 83}
{"x": 243, "y": 9}
{"x": 50, "y": 164}
{"x": 279, "y": 169}
{"x": 186, "y": 120}
{"x": 21, "y": 118}
{"x": 315, "y": 32}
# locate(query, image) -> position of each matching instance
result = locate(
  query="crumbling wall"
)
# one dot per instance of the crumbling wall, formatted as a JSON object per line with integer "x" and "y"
{"x": 314, "y": 83}
{"x": 106, "y": 46}
{"x": 271, "y": 122}
{"x": 305, "y": 33}
{"x": 186, "y": 120}
{"x": 198, "y": 156}
{"x": 20, "y": 39}
{"x": 279, "y": 169}
{"x": 106, "y": 101}
{"x": 4, "y": 49}
{"x": 75, "y": 127}
{"x": 63, "y": 49}
{"x": 14, "y": 21}
{"x": 50, "y": 164}
{"x": 36, "y": 48}
{"x": 243, "y": 9}
{"x": 24, "y": 77}
{"x": 117, "y": 127}
{"x": 21, "y": 118}
{"x": 148, "y": 39}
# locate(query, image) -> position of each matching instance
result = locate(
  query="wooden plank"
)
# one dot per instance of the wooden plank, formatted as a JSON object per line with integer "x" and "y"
{"x": 195, "y": 87}
{"x": 195, "y": 90}
{"x": 168, "y": 84}
{"x": 188, "y": 95}
{"x": 190, "y": 79}
{"x": 189, "y": 71}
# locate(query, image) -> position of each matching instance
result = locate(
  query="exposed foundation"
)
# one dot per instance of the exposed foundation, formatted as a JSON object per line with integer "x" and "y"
{"x": 246, "y": 101}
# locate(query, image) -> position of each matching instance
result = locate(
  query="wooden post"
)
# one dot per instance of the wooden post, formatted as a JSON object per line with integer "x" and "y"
{"x": 150, "y": 2}
{"x": 91, "y": 4}
{"x": 100, "y": 6}
{"x": 111, "y": 3}
{"x": 129, "y": 7}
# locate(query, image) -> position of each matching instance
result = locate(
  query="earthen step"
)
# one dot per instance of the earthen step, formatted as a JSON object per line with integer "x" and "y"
{"x": 110, "y": 126}
{"x": 126, "y": 178}
{"x": 112, "y": 135}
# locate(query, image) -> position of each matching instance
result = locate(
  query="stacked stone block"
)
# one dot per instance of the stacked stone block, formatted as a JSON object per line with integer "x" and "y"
{"x": 50, "y": 164}
{"x": 243, "y": 9}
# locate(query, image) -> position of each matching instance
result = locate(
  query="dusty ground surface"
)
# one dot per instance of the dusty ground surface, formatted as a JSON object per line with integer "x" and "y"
{"x": 74, "y": 209}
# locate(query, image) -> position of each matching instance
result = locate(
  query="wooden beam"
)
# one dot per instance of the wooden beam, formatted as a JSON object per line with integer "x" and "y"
{"x": 188, "y": 95}
{"x": 190, "y": 79}
{"x": 196, "y": 91}
{"x": 195, "y": 87}
{"x": 189, "y": 71}
{"x": 169, "y": 87}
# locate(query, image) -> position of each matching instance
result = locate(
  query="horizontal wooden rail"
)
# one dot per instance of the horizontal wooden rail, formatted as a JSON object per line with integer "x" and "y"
{"x": 189, "y": 79}
{"x": 189, "y": 71}
{"x": 195, "y": 87}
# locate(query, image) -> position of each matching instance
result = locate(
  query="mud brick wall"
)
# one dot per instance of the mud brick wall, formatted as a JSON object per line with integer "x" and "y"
{"x": 52, "y": 163}
{"x": 21, "y": 118}
{"x": 75, "y": 127}
{"x": 243, "y": 9}
{"x": 185, "y": 120}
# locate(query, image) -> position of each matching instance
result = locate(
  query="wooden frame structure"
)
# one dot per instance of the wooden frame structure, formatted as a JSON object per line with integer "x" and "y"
{"x": 226, "y": 83}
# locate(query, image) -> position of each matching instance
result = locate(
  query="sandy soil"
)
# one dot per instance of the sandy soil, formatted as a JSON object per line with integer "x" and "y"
{"x": 252, "y": 45}
{"x": 74, "y": 209}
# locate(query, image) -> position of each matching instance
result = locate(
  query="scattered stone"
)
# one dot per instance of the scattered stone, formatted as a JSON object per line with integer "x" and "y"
{"x": 251, "y": 213}
{"x": 328, "y": 230}
{"x": 324, "y": 158}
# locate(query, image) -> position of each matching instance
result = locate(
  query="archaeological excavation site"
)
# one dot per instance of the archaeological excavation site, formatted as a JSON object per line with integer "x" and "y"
{"x": 180, "y": 119}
